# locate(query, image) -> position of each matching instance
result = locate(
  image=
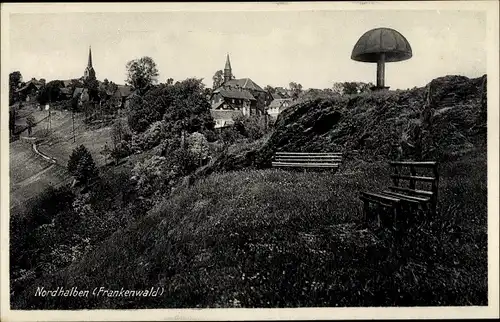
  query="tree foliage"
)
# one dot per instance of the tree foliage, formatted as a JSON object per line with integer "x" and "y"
{"x": 50, "y": 92}
{"x": 81, "y": 165}
{"x": 218, "y": 79}
{"x": 270, "y": 89}
{"x": 296, "y": 89}
{"x": 252, "y": 127}
{"x": 182, "y": 106}
{"x": 142, "y": 73}
{"x": 15, "y": 79}
{"x": 349, "y": 88}
{"x": 197, "y": 144}
{"x": 30, "y": 122}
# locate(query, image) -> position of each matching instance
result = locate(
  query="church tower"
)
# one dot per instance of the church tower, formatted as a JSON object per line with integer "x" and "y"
{"x": 228, "y": 73}
{"x": 89, "y": 71}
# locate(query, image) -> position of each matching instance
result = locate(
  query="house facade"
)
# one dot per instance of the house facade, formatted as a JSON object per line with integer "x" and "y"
{"x": 277, "y": 106}
{"x": 225, "y": 118}
{"x": 29, "y": 91}
{"x": 242, "y": 95}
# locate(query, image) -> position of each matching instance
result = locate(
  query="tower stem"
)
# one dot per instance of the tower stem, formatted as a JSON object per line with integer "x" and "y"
{"x": 381, "y": 71}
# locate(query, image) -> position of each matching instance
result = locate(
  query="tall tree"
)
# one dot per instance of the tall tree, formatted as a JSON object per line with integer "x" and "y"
{"x": 338, "y": 88}
{"x": 270, "y": 89}
{"x": 15, "y": 78}
{"x": 81, "y": 165}
{"x": 30, "y": 122}
{"x": 296, "y": 89}
{"x": 142, "y": 73}
{"x": 218, "y": 79}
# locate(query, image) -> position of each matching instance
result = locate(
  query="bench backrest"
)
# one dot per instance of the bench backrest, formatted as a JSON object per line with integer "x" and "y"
{"x": 308, "y": 157}
{"x": 419, "y": 184}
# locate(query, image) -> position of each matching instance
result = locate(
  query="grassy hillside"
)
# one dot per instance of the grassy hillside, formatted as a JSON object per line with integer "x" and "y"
{"x": 58, "y": 142}
{"x": 269, "y": 238}
{"x": 30, "y": 174}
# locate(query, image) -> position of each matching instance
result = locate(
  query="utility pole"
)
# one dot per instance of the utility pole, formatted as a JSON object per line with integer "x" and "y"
{"x": 73, "y": 121}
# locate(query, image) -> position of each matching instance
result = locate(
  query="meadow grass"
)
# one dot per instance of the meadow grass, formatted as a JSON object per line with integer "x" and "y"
{"x": 29, "y": 173}
{"x": 274, "y": 238}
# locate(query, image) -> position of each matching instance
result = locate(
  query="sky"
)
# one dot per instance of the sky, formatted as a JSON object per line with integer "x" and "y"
{"x": 274, "y": 48}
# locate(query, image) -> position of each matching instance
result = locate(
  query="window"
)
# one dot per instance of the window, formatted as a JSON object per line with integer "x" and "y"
{"x": 233, "y": 100}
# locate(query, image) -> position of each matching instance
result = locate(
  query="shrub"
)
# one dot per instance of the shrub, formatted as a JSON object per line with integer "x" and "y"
{"x": 252, "y": 127}
{"x": 154, "y": 135}
{"x": 141, "y": 113}
{"x": 229, "y": 135}
{"x": 154, "y": 175}
{"x": 81, "y": 165}
{"x": 198, "y": 146}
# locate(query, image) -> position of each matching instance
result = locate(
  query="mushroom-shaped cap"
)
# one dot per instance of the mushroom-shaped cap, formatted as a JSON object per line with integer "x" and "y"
{"x": 381, "y": 40}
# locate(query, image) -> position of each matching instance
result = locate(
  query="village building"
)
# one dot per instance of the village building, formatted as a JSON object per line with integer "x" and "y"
{"x": 243, "y": 96}
{"x": 65, "y": 93}
{"x": 82, "y": 94}
{"x": 120, "y": 97}
{"x": 29, "y": 91}
{"x": 89, "y": 73}
{"x": 277, "y": 106}
{"x": 280, "y": 92}
{"x": 225, "y": 118}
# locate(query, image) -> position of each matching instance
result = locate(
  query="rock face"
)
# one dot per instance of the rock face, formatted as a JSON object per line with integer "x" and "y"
{"x": 443, "y": 119}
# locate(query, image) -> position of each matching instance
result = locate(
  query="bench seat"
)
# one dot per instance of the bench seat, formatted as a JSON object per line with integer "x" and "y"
{"x": 406, "y": 198}
{"x": 307, "y": 160}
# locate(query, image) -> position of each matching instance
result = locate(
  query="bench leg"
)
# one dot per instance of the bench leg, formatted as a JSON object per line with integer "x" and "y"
{"x": 396, "y": 212}
{"x": 366, "y": 209}
{"x": 379, "y": 218}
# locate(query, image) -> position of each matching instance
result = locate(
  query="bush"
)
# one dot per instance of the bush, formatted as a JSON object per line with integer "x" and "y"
{"x": 153, "y": 176}
{"x": 229, "y": 135}
{"x": 141, "y": 113}
{"x": 252, "y": 127}
{"x": 81, "y": 165}
{"x": 154, "y": 135}
{"x": 198, "y": 146}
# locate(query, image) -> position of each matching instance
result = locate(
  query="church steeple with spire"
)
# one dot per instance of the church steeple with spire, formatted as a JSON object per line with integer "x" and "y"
{"x": 89, "y": 71}
{"x": 228, "y": 72}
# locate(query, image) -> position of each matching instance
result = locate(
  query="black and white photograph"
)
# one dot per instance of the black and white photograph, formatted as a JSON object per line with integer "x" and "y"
{"x": 215, "y": 156}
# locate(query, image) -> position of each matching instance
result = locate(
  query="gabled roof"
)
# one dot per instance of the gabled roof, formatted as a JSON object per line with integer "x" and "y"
{"x": 132, "y": 94}
{"x": 78, "y": 91}
{"x": 67, "y": 82}
{"x": 234, "y": 93}
{"x": 280, "y": 102}
{"x": 276, "y": 96}
{"x": 245, "y": 83}
{"x": 27, "y": 86}
{"x": 283, "y": 92}
{"x": 218, "y": 104}
{"x": 124, "y": 90}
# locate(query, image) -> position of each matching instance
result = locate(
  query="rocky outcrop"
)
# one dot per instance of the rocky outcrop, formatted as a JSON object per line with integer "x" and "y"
{"x": 443, "y": 119}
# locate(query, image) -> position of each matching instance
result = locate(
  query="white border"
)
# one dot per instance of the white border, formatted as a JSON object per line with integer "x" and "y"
{"x": 492, "y": 9}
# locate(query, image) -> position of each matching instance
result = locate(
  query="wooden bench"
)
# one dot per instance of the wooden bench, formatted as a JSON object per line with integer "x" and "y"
{"x": 307, "y": 160}
{"x": 398, "y": 197}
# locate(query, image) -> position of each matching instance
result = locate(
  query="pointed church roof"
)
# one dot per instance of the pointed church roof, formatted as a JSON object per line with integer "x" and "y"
{"x": 89, "y": 64}
{"x": 228, "y": 63}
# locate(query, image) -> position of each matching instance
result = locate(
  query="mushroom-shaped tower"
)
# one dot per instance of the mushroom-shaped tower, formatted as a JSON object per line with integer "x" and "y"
{"x": 381, "y": 45}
